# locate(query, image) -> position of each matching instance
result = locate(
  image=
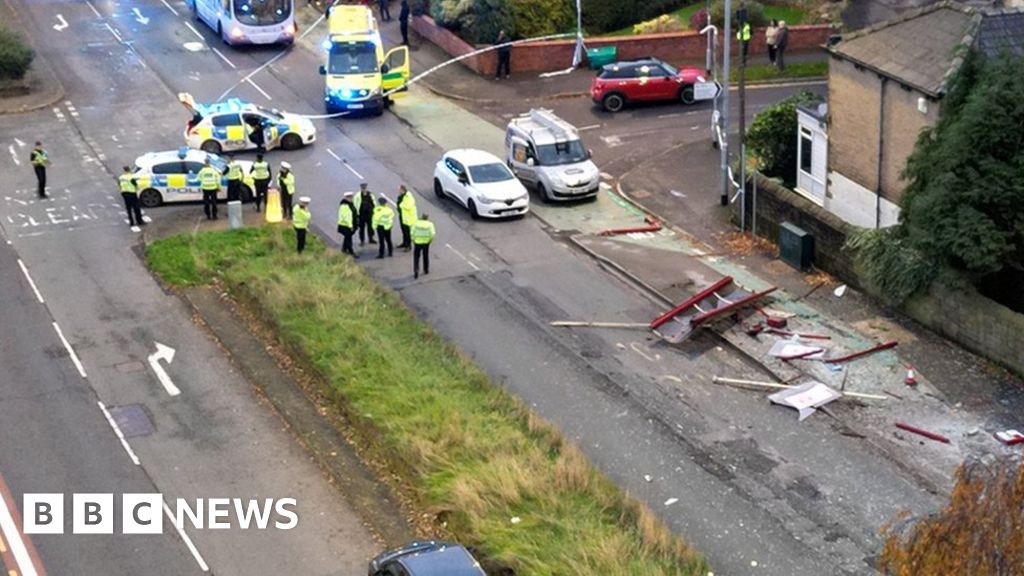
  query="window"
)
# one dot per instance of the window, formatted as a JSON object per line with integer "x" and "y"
{"x": 658, "y": 72}
{"x": 806, "y": 149}
{"x": 454, "y": 166}
{"x": 485, "y": 173}
{"x": 262, "y": 12}
{"x": 569, "y": 152}
{"x": 168, "y": 168}
{"x": 617, "y": 72}
{"x": 193, "y": 167}
{"x": 352, "y": 58}
{"x": 519, "y": 153}
{"x": 223, "y": 120}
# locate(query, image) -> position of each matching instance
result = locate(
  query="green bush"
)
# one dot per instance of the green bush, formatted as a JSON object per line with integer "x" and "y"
{"x": 479, "y": 21}
{"x": 772, "y": 137}
{"x": 601, "y": 16}
{"x": 15, "y": 55}
{"x": 891, "y": 265}
{"x": 755, "y": 13}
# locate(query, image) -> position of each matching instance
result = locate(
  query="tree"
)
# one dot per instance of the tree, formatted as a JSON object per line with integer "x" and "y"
{"x": 773, "y": 134}
{"x": 15, "y": 55}
{"x": 965, "y": 198}
{"x": 981, "y": 531}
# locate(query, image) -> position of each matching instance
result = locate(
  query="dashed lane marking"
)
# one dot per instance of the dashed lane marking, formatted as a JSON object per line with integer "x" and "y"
{"x": 71, "y": 352}
{"x": 466, "y": 260}
{"x": 169, "y": 7}
{"x": 118, "y": 433}
{"x": 257, "y": 87}
{"x": 194, "y": 31}
{"x": 224, "y": 58}
{"x": 94, "y": 10}
{"x": 31, "y": 282}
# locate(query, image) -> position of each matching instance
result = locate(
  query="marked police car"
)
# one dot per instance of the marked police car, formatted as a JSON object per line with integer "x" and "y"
{"x": 173, "y": 176}
{"x": 239, "y": 125}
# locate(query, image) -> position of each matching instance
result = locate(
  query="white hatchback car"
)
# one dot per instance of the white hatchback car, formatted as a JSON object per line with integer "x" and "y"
{"x": 481, "y": 182}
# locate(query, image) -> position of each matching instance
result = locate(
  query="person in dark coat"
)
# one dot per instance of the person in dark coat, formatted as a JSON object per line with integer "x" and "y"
{"x": 403, "y": 22}
{"x": 504, "y": 57}
{"x": 385, "y": 11}
{"x": 364, "y": 207}
{"x": 781, "y": 39}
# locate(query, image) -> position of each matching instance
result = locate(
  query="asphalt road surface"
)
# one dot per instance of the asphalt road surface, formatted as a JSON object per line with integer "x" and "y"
{"x": 733, "y": 478}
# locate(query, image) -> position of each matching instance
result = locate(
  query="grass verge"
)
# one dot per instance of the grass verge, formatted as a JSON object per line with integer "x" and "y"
{"x": 791, "y": 15}
{"x": 767, "y": 72}
{"x": 475, "y": 456}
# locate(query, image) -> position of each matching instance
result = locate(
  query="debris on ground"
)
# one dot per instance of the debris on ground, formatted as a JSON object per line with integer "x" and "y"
{"x": 755, "y": 383}
{"x": 1010, "y": 437}
{"x": 793, "y": 349}
{"x": 806, "y": 398}
{"x": 742, "y": 244}
{"x": 862, "y": 353}
{"x": 839, "y": 291}
{"x": 922, "y": 432}
{"x": 582, "y": 324}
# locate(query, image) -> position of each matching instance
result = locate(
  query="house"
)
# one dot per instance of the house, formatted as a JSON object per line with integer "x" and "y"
{"x": 886, "y": 83}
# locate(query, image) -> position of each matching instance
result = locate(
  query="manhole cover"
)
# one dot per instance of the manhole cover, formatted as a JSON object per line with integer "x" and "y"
{"x": 132, "y": 420}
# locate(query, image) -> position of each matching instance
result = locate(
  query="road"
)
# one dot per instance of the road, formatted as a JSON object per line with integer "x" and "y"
{"x": 733, "y": 478}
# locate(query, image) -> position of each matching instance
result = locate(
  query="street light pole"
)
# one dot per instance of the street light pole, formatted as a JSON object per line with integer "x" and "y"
{"x": 741, "y": 19}
{"x": 724, "y": 140}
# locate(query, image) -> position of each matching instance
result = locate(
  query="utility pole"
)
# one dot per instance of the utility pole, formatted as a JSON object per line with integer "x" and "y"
{"x": 724, "y": 145}
{"x": 744, "y": 44}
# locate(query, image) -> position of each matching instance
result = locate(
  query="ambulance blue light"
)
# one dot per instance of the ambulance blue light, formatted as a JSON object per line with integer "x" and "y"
{"x": 183, "y": 152}
{"x": 326, "y": 44}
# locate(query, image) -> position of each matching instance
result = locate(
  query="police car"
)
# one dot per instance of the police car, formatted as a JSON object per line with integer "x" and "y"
{"x": 173, "y": 176}
{"x": 236, "y": 125}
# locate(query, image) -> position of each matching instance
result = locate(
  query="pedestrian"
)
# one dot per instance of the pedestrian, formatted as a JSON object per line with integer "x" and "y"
{"x": 209, "y": 181}
{"x": 346, "y": 223}
{"x": 364, "y": 210}
{"x": 743, "y": 37}
{"x": 286, "y": 184}
{"x": 301, "y": 223}
{"x": 385, "y": 12}
{"x": 504, "y": 56}
{"x": 130, "y": 194}
{"x": 234, "y": 173}
{"x": 406, "y": 215}
{"x": 781, "y": 39}
{"x": 40, "y": 160}
{"x": 403, "y": 22}
{"x": 383, "y": 220}
{"x": 260, "y": 172}
{"x": 771, "y": 33}
{"x": 422, "y": 235}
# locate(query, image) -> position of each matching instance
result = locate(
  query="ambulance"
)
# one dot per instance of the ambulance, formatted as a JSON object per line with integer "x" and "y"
{"x": 358, "y": 75}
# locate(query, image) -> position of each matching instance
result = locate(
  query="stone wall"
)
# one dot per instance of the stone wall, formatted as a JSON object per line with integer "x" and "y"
{"x": 675, "y": 47}
{"x": 962, "y": 315}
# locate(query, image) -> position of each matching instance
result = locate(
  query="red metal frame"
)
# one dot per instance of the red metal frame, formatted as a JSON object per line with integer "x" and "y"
{"x": 652, "y": 226}
{"x": 855, "y": 355}
{"x": 725, "y": 281}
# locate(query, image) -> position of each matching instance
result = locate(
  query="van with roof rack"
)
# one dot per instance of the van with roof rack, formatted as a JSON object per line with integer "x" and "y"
{"x": 545, "y": 152}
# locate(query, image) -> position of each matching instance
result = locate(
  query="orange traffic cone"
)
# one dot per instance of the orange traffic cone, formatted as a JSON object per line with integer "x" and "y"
{"x": 911, "y": 378}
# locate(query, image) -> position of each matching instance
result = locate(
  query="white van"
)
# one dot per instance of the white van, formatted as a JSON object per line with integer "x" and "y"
{"x": 546, "y": 154}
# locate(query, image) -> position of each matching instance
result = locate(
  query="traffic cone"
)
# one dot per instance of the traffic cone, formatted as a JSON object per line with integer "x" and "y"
{"x": 911, "y": 378}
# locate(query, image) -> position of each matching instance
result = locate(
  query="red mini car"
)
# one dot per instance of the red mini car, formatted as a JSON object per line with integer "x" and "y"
{"x": 649, "y": 79}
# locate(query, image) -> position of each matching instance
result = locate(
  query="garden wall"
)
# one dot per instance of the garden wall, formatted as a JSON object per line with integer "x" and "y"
{"x": 961, "y": 314}
{"x": 674, "y": 47}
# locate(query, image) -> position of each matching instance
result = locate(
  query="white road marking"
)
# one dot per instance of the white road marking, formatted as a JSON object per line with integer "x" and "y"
{"x": 139, "y": 17}
{"x": 71, "y": 351}
{"x": 31, "y": 282}
{"x": 59, "y": 114}
{"x": 641, "y": 352}
{"x": 591, "y": 127}
{"x": 169, "y": 7}
{"x": 606, "y": 176}
{"x": 223, "y": 57}
{"x": 352, "y": 170}
{"x": 163, "y": 352}
{"x": 611, "y": 141}
{"x": 459, "y": 254}
{"x": 119, "y": 434}
{"x": 333, "y": 155}
{"x": 188, "y": 541}
{"x": 13, "y": 537}
{"x": 257, "y": 87}
{"x": 674, "y": 115}
{"x": 194, "y": 47}
{"x": 194, "y": 31}
{"x": 19, "y": 143}
{"x": 14, "y": 156}
{"x": 94, "y": 10}
{"x": 114, "y": 32}
{"x": 61, "y": 25}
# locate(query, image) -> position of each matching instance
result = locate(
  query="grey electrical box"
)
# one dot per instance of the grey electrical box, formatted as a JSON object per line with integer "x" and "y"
{"x": 796, "y": 246}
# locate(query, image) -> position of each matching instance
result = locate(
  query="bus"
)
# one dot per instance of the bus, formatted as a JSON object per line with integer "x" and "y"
{"x": 248, "y": 21}
{"x": 358, "y": 74}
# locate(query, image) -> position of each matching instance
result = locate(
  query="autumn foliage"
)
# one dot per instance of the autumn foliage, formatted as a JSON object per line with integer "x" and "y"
{"x": 980, "y": 532}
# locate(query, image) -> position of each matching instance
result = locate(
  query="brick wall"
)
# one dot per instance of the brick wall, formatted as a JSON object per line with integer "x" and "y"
{"x": 853, "y": 100}
{"x": 676, "y": 47}
{"x": 962, "y": 315}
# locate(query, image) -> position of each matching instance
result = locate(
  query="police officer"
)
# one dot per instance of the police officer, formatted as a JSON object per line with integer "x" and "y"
{"x": 383, "y": 219}
{"x": 234, "y": 173}
{"x": 209, "y": 182}
{"x": 406, "y": 214}
{"x": 422, "y": 235}
{"x": 301, "y": 223}
{"x": 346, "y": 223}
{"x": 260, "y": 172}
{"x": 286, "y": 183}
{"x": 130, "y": 194}
{"x": 743, "y": 35}
{"x": 364, "y": 210}
{"x": 40, "y": 160}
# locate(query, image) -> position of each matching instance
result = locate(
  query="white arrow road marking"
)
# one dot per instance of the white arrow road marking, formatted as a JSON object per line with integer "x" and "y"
{"x": 19, "y": 143}
{"x": 139, "y": 17}
{"x": 163, "y": 353}
{"x": 62, "y": 25}
{"x": 14, "y": 155}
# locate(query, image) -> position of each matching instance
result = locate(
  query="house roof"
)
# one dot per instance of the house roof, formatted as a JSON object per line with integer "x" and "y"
{"x": 923, "y": 48}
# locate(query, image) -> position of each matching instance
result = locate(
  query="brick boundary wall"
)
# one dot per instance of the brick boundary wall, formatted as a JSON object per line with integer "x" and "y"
{"x": 965, "y": 316}
{"x": 674, "y": 47}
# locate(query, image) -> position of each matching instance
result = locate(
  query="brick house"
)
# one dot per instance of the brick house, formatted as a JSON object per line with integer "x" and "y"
{"x": 886, "y": 83}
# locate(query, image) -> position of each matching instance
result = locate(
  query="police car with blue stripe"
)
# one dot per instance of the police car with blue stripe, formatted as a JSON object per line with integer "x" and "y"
{"x": 234, "y": 125}
{"x": 173, "y": 176}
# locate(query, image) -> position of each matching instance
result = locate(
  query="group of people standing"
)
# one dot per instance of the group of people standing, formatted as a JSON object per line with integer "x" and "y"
{"x": 403, "y": 17}
{"x": 776, "y": 36}
{"x": 360, "y": 213}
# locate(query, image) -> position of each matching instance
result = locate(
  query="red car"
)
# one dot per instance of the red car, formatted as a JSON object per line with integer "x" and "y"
{"x": 646, "y": 80}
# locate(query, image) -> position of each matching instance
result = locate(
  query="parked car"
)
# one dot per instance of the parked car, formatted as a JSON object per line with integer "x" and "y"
{"x": 546, "y": 152}
{"x": 481, "y": 182}
{"x": 430, "y": 558}
{"x": 648, "y": 80}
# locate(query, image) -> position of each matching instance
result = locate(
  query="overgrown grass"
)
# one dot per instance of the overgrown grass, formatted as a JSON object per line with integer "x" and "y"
{"x": 790, "y": 14}
{"x": 763, "y": 72}
{"x": 475, "y": 454}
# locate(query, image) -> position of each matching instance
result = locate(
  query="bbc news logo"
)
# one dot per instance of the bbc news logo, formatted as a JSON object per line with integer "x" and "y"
{"x": 144, "y": 514}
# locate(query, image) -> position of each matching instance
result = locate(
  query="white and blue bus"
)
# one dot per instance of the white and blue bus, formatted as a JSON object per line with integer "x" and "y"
{"x": 249, "y": 21}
